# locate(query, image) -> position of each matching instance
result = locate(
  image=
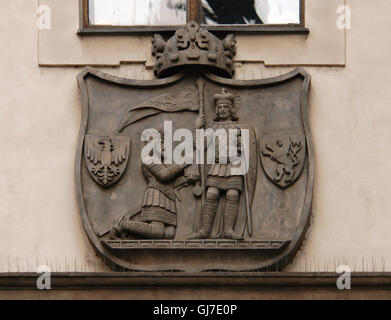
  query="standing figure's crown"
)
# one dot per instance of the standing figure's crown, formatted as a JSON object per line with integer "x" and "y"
{"x": 193, "y": 45}
{"x": 223, "y": 96}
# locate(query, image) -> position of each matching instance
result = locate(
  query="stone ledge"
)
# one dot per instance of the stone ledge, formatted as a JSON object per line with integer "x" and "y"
{"x": 134, "y": 280}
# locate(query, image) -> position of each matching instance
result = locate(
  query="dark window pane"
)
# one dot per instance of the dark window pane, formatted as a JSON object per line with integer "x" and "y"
{"x": 217, "y": 12}
{"x": 137, "y": 12}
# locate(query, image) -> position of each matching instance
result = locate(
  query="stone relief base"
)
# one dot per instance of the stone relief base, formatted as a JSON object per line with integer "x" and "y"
{"x": 122, "y": 245}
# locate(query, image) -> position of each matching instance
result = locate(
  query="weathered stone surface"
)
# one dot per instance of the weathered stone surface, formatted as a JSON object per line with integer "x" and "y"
{"x": 196, "y": 217}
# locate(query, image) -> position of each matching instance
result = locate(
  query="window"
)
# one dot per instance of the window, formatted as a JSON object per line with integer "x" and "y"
{"x": 137, "y": 13}
{"x": 160, "y": 15}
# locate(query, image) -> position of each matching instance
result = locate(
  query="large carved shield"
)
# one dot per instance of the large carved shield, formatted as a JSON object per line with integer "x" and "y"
{"x": 119, "y": 196}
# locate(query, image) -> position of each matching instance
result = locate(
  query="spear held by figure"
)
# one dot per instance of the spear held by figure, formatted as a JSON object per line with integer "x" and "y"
{"x": 199, "y": 189}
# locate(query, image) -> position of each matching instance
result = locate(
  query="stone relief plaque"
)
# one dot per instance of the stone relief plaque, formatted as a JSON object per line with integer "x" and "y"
{"x": 243, "y": 207}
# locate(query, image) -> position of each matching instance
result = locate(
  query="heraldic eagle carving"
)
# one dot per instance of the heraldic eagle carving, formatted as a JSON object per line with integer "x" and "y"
{"x": 106, "y": 158}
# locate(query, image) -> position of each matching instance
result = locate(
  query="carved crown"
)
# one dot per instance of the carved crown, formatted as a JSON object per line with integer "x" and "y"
{"x": 193, "y": 45}
{"x": 223, "y": 96}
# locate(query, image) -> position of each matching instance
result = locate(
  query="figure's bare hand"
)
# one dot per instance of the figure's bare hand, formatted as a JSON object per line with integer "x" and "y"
{"x": 200, "y": 122}
{"x": 150, "y": 162}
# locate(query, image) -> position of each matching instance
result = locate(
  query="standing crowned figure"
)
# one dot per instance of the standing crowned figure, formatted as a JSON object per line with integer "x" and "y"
{"x": 224, "y": 182}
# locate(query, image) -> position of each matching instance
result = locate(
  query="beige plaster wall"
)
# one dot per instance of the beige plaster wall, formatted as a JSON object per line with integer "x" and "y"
{"x": 325, "y": 45}
{"x": 41, "y": 111}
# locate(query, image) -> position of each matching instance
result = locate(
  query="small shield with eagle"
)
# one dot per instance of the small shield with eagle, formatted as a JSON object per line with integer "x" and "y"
{"x": 106, "y": 158}
{"x": 283, "y": 158}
